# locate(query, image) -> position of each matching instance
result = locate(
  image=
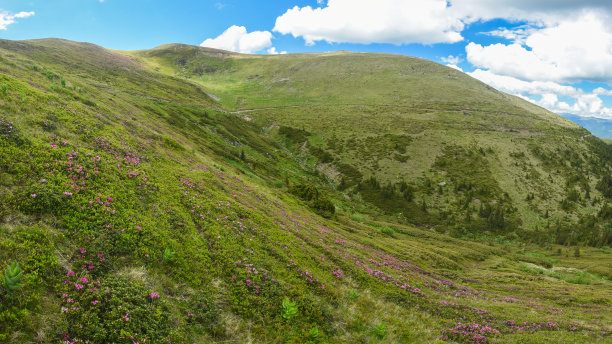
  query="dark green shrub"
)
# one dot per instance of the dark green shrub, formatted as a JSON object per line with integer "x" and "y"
{"x": 172, "y": 144}
{"x": 113, "y": 310}
{"x": 316, "y": 200}
{"x": 605, "y": 186}
{"x": 203, "y": 312}
{"x": 295, "y": 135}
{"x": 387, "y": 231}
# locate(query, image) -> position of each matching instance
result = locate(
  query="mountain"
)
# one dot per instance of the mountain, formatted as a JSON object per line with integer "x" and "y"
{"x": 405, "y": 134}
{"x": 597, "y": 126}
{"x": 191, "y": 195}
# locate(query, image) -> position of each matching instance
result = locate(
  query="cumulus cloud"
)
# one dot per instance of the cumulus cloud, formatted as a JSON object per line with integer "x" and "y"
{"x": 517, "y": 35}
{"x": 236, "y": 38}
{"x": 547, "y": 94}
{"x": 272, "y": 51}
{"x": 421, "y": 21}
{"x": 540, "y": 11}
{"x": 573, "y": 49}
{"x": 602, "y": 91}
{"x": 365, "y": 21}
{"x": 450, "y": 59}
{"x": 454, "y": 66}
{"x": 7, "y": 19}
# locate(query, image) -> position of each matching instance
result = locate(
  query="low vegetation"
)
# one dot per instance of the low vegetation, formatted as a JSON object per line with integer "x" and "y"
{"x": 136, "y": 208}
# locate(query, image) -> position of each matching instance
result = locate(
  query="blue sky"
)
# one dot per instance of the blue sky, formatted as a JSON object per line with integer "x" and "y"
{"x": 555, "y": 53}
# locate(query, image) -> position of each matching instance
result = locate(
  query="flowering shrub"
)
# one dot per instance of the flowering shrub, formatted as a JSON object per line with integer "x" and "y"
{"x": 203, "y": 313}
{"x": 113, "y": 310}
{"x": 9, "y": 134}
{"x": 471, "y": 333}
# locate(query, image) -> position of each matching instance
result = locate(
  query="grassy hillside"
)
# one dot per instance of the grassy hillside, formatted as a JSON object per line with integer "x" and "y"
{"x": 138, "y": 209}
{"x": 439, "y": 148}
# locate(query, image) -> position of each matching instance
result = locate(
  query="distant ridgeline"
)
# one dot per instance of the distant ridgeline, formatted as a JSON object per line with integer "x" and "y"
{"x": 597, "y": 126}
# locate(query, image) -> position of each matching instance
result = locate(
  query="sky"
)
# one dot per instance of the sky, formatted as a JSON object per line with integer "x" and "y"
{"x": 554, "y": 53}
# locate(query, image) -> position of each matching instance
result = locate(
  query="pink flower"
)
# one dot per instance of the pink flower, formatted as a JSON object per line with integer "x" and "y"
{"x": 154, "y": 295}
{"x": 70, "y": 273}
{"x": 94, "y": 302}
{"x": 43, "y": 180}
{"x": 33, "y": 195}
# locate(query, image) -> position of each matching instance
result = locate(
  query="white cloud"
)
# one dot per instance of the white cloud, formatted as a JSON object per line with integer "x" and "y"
{"x": 272, "y": 51}
{"x": 422, "y": 21}
{"x": 365, "y": 21}
{"x": 573, "y": 49}
{"x": 454, "y": 66}
{"x": 513, "y": 85}
{"x": 547, "y": 93}
{"x": 513, "y": 60}
{"x": 540, "y": 11}
{"x": 602, "y": 91}
{"x": 516, "y": 35}
{"x": 7, "y": 19}
{"x": 450, "y": 59}
{"x": 236, "y": 38}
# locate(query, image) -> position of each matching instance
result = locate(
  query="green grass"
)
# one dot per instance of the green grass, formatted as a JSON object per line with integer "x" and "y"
{"x": 416, "y": 122}
{"x": 157, "y": 214}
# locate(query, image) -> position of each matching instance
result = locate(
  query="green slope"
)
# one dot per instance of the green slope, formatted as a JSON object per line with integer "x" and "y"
{"x": 138, "y": 208}
{"x": 459, "y": 146}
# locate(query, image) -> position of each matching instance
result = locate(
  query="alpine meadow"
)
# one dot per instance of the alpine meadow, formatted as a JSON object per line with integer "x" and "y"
{"x": 185, "y": 194}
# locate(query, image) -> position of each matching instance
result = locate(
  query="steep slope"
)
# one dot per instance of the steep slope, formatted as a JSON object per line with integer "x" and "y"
{"x": 138, "y": 209}
{"x": 418, "y": 140}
